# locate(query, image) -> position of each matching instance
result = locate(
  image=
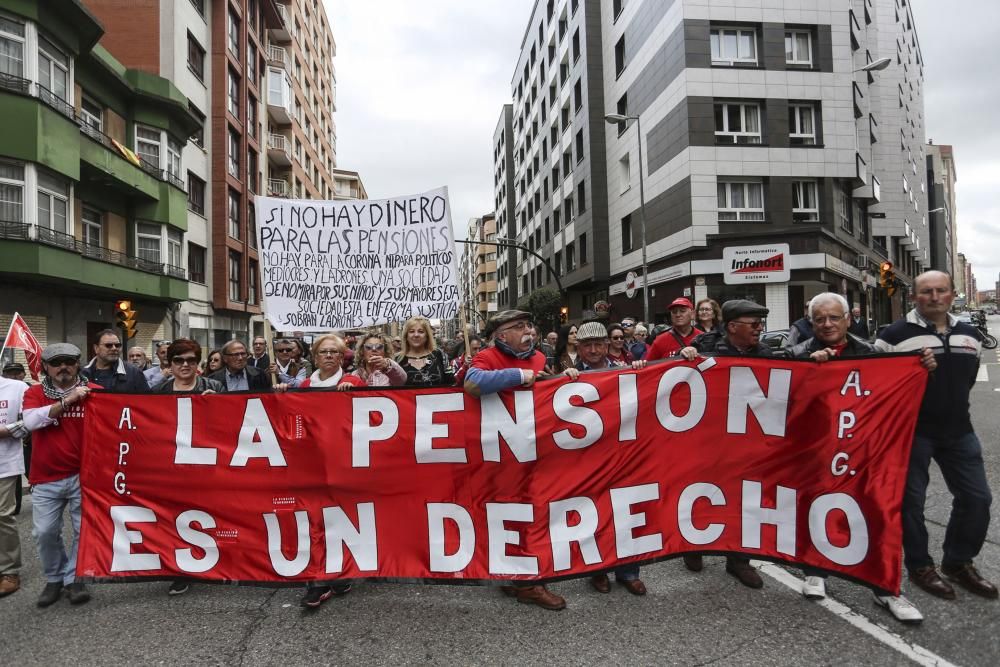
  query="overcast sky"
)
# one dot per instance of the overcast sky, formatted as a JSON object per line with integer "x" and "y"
{"x": 420, "y": 86}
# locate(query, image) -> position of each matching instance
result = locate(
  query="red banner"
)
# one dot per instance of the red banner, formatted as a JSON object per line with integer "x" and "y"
{"x": 782, "y": 460}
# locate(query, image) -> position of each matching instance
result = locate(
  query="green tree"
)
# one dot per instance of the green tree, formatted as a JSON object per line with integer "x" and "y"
{"x": 543, "y": 304}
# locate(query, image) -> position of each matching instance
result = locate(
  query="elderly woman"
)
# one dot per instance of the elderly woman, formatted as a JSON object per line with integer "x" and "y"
{"x": 424, "y": 363}
{"x": 708, "y": 315}
{"x": 372, "y": 366}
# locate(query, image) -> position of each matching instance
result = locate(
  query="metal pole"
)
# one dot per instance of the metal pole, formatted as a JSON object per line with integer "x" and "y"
{"x": 642, "y": 228}
{"x": 544, "y": 261}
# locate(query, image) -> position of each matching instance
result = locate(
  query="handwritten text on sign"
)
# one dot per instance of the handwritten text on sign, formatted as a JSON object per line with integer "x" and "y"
{"x": 342, "y": 264}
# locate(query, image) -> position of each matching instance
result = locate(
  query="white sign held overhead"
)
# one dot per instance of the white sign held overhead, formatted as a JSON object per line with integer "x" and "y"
{"x": 756, "y": 264}
{"x": 328, "y": 265}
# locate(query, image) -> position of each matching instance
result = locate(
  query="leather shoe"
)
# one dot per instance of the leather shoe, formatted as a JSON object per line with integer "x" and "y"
{"x": 693, "y": 562}
{"x": 50, "y": 594}
{"x": 600, "y": 583}
{"x": 9, "y": 583}
{"x": 633, "y": 586}
{"x": 742, "y": 570}
{"x": 540, "y": 596}
{"x": 968, "y": 577}
{"x": 928, "y": 579}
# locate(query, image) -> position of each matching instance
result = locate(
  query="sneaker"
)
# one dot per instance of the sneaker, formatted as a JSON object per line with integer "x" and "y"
{"x": 50, "y": 594}
{"x": 78, "y": 593}
{"x": 315, "y": 596}
{"x": 900, "y": 608}
{"x": 9, "y": 583}
{"x": 178, "y": 587}
{"x": 814, "y": 588}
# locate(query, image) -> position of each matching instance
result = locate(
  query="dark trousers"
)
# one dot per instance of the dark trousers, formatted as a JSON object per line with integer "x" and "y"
{"x": 961, "y": 461}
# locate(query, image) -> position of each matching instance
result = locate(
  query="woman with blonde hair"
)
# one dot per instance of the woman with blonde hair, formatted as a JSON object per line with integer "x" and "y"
{"x": 373, "y": 365}
{"x": 424, "y": 363}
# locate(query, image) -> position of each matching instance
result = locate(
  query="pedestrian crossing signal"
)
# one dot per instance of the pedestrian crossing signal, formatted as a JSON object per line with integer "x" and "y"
{"x": 126, "y": 318}
{"x": 887, "y": 279}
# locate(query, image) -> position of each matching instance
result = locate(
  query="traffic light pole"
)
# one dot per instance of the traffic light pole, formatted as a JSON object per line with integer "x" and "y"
{"x": 509, "y": 244}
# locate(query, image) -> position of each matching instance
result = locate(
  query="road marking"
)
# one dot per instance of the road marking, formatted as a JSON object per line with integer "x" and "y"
{"x": 982, "y": 376}
{"x": 914, "y": 652}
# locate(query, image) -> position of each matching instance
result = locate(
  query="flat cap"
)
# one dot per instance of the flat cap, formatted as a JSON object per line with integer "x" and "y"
{"x": 56, "y": 350}
{"x": 504, "y": 317}
{"x": 13, "y": 367}
{"x": 741, "y": 307}
{"x": 590, "y": 331}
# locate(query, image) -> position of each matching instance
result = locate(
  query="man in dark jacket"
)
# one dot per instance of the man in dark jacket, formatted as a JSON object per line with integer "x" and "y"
{"x": 859, "y": 325}
{"x": 742, "y": 324}
{"x": 109, "y": 370}
{"x": 236, "y": 375}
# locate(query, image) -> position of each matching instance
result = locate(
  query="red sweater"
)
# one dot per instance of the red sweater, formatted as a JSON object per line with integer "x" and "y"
{"x": 666, "y": 345}
{"x": 492, "y": 359}
{"x": 56, "y": 449}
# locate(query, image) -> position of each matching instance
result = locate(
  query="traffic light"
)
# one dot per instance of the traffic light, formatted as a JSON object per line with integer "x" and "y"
{"x": 126, "y": 318}
{"x": 886, "y": 278}
{"x": 563, "y": 315}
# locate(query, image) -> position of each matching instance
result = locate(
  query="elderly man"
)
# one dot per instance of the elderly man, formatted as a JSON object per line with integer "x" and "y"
{"x": 592, "y": 346}
{"x": 859, "y": 325}
{"x": 739, "y": 337}
{"x": 137, "y": 357}
{"x": 287, "y": 370}
{"x": 54, "y": 412}
{"x": 680, "y": 334}
{"x": 109, "y": 371}
{"x": 159, "y": 372}
{"x": 512, "y": 361}
{"x": 12, "y": 430}
{"x": 259, "y": 360}
{"x": 827, "y": 312}
{"x": 235, "y": 375}
{"x": 944, "y": 433}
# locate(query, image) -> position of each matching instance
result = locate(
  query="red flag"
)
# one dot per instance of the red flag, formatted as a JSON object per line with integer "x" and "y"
{"x": 19, "y": 336}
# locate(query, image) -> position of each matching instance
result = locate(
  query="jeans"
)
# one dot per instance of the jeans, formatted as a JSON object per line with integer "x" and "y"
{"x": 48, "y": 502}
{"x": 961, "y": 461}
{"x": 627, "y": 573}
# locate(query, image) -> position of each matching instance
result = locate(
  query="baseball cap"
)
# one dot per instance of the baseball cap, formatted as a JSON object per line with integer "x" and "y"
{"x": 681, "y": 301}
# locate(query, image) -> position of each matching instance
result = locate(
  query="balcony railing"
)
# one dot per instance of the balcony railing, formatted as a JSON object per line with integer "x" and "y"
{"x": 20, "y": 231}
{"x": 14, "y": 84}
{"x": 277, "y": 55}
{"x": 56, "y": 102}
{"x": 278, "y": 142}
{"x": 277, "y": 187}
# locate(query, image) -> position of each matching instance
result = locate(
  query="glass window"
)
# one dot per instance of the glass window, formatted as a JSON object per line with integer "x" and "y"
{"x": 842, "y": 208}
{"x": 233, "y": 96}
{"x": 798, "y": 47}
{"x": 234, "y": 276}
{"x": 196, "y": 57}
{"x": 802, "y": 124}
{"x": 741, "y": 201}
{"x": 53, "y": 68}
{"x": 234, "y": 214}
{"x": 53, "y": 202}
{"x": 251, "y": 63}
{"x": 174, "y": 241}
{"x": 147, "y": 241}
{"x": 174, "y": 158}
{"x": 733, "y": 45}
{"x": 93, "y": 229}
{"x": 196, "y": 263}
{"x": 11, "y": 47}
{"x": 199, "y": 135}
{"x": 805, "y": 204}
{"x": 252, "y": 116}
{"x": 147, "y": 144}
{"x": 234, "y": 34}
{"x": 11, "y": 192}
{"x": 737, "y": 123}
{"x": 92, "y": 113}
{"x": 252, "y": 283}
{"x": 196, "y": 194}
{"x": 233, "y": 156}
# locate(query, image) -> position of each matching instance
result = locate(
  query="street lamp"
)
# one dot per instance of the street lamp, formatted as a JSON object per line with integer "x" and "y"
{"x": 503, "y": 242}
{"x": 614, "y": 119}
{"x": 875, "y": 65}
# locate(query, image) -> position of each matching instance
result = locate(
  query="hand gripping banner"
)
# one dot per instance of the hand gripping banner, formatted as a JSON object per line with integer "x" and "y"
{"x": 782, "y": 460}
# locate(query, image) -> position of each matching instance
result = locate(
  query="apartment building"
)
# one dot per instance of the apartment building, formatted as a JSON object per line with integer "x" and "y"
{"x": 503, "y": 204}
{"x": 478, "y": 271}
{"x": 92, "y": 187}
{"x": 260, "y": 75}
{"x": 773, "y": 165}
{"x": 941, "y": 179}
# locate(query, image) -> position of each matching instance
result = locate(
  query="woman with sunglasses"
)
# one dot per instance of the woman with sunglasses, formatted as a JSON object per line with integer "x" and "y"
{"x": 373, "y": 367}
{"x": 184, "y": 355}
{"x": 618, "y": 354}
{"x": 214, "y": 362}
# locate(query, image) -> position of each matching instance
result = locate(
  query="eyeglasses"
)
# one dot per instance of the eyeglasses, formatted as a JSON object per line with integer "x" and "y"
{"x": 832, "y": 319}
{"x": 753, "y": 325}
{"x": 328, "y": 353}
{"x": 375, "y": 347}
{"x": 618, "y": 338}
{"x": 111, "y": 346}
{"x": 706, "y": 309}
{"x": 234, "y": 354}
{"x": 63, "y": 361}
{"x": 284, "y": 350}
{"x": 185, "y": 361}
{"x": 517, "y": 326}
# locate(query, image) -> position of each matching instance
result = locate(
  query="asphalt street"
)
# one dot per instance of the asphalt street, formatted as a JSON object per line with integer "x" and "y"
{"x": 687, "y": 618}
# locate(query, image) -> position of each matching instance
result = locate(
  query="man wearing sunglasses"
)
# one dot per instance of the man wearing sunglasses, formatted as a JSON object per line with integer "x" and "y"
{"x": 743, "y": 322}
{"x": 54, "y": 413}
{"x": 109, "y": 370}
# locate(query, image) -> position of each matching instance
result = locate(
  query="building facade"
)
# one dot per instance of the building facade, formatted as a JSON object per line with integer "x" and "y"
{"x": 503, "y": 204}
{"x": 478, "y": 271}
{"x": 92, "y": 184}
{"x": 941, "y": 179}
{"x": 773, "y": 165}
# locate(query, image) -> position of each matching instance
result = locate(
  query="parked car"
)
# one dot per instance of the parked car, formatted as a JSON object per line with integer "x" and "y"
{"x": 776, "y": 340}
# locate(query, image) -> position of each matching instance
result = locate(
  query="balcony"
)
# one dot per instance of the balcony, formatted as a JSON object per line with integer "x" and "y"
{"x": 862, "y": 169}
{"x": 872, "y": 192}
{"x": 277, "y": 187}
{"x": 277, "y": 56}
{"x": 278, "y": 150}
{"x": 281, "y": 33}
{"x": 48, "y": 256}
{"x": 279, "y": 96}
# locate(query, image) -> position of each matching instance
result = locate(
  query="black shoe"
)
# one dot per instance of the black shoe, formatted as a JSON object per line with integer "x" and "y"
{"x": 315, "y": 596}
{"x": 745, "y": 572}
{"x": 78, "y": 594}
{"x": 50, "y": 594}
{"x": 693, "y": 562}
{"x": 341, "y": 589}
{"x": 178, "y": 587}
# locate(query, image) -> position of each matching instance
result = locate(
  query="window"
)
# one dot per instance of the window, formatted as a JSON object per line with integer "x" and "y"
{"x": 147, "y": 241}
{"x": 252, "y": 225}
{"x": 581, "y": 198}
{"x": 570, "y": 258}
{"x": 196, "y": 194}
{"x": 91, "y": 113}
{"x": 234, "y": 276}
{"x": 93, "y": 229}
{"x": 252, "y": 171}
{"x": 583, "y": 249}
{"x": 234, "y": 214}
{"x": 737, "y": 123}
{"x": 234, "y": 34}
{"x": 627, "y": 234}
{"x": 196, "y": 263}
{"x": 622, "y": 111}
{"x": 616, "y": 7}
{"x": 252, "y": 283}
{"x": 842, "y": 209}
{"x": 805, "y": 204}
{"x": 624, "y": 173}
{"x": 196, "y": 58}
{"x": 798, "y": 47}
{"x": 579, "y": 145}
{"x": 733, "y": 45}
{"x": 741, "y": 201}
{"x": 53, "y": 69}
{"x": 233, "y": 96}
{"x": 620, "y": 57}
{"x": 234, "y": 154}
{"x": 568, "y": 208}
{"x": 576, "y": 45}
{"x": 802, "y": 124}
{"x": 251, "y": 116}
{"x": 251, "y": 63}
{"x": 199, "y": 135}
{"x": 577, "y": 96}
{"x": 557, "y": 263}
{"x": 11, "y": 47}
{"x": 174, "y": 158}
{"x": 11, "y": 191}
{"x": 53, "y": 202}
{"x": 147, "y": 144}
{"x": 174, "y": 241}
{"x": 199, "y": 5}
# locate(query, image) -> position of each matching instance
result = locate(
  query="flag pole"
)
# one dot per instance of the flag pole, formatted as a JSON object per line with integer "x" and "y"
{"x": 269, "y": 343}
{"x": 9, "y": 329}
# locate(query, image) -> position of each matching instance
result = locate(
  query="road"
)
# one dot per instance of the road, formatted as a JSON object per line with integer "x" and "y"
{"x": 687, "y": 619}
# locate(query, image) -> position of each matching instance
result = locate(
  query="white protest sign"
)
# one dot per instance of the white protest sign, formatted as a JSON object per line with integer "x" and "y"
{"x": 329, "y": 265}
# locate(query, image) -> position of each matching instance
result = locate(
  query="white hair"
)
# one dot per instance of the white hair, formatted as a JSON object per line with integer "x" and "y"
{"x": 827, "y": 297}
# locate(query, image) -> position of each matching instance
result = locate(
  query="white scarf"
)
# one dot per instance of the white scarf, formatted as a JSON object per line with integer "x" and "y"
{"x": 331, "y": 381}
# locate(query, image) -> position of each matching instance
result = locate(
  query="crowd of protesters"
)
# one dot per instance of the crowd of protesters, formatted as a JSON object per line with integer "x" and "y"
{"x": 510, "y": 352}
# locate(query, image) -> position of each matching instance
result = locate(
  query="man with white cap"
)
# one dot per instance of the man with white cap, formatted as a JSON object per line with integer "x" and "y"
{"x": 54, "y": 411}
